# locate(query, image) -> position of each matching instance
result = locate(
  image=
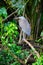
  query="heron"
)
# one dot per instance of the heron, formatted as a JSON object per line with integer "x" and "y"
{"x": 25, "y": 27}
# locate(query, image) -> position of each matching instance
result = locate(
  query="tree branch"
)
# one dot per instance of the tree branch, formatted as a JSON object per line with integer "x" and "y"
{"x": 37, "y": 54}
{"x": 10, "y": 15}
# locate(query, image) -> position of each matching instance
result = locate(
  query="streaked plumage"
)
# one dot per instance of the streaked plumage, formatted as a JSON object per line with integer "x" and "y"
{"x": 24, "y": 24}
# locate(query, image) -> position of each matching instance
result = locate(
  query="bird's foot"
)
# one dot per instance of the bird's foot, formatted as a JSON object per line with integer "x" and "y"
{"x": 23, "y": 39}
{"x": 19, "y": 42}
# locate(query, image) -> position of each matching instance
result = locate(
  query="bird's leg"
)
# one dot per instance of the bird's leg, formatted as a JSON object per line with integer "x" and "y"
{"x": 20, "y": 38}
{"x": 24, "y": 35}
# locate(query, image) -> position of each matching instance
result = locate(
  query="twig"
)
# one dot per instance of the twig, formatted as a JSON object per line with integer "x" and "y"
{"x": 26, "y": 60}
{"x": 32, "y": 47}
{"x": 10, "y": 15}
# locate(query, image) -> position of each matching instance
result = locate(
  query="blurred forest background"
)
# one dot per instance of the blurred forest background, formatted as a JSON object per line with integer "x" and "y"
{"x": 10, "y": 52}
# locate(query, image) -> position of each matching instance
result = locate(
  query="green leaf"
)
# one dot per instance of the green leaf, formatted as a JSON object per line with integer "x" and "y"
{"x": 4, "y": 12}
{"x": 41, "y": 34}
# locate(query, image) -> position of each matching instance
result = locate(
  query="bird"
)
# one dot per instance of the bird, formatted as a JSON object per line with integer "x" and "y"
{"x": 24, "y": 25}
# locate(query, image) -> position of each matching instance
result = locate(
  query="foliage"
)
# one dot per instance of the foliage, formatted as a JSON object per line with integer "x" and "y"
{"x": 40, "y": 40}
{"x": 6, "y": 57}
{"x": 3, "y": 12}
{"x": 17, "y": 4}
{"x": 39, "y": 61}
{"x": 41, "y": 34}
{"x": 9, "y": 38}
{"x": 9, "y": 29}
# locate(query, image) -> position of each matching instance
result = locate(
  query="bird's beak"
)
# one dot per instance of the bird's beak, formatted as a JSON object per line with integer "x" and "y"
{"x": 16, "y": 18}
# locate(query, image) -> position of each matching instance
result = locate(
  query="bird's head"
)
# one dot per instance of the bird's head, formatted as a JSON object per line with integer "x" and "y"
{"x": 19, "y": 18}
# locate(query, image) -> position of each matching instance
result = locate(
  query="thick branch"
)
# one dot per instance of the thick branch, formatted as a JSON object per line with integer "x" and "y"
{"x": 32, "y": 47}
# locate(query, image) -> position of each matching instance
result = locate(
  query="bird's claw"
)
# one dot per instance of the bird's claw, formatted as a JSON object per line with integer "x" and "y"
{"x": 23, "y": 39}
{"x": 19, "y": 42}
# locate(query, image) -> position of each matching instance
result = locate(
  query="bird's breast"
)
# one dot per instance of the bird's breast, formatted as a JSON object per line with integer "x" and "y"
{"x": 25, "y": 26}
